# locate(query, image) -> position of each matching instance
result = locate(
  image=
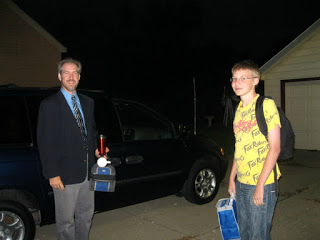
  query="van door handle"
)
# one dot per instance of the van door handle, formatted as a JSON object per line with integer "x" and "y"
{"x": 134, "y": 160}
{"x": 115, "y": 161}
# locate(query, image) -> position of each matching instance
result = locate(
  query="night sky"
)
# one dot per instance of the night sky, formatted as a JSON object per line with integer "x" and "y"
{"x": 150, "y": 50}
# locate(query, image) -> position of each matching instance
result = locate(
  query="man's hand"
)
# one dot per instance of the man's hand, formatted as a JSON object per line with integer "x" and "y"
{"x": 97, "y": 153}
{"x": 56, "y": 183}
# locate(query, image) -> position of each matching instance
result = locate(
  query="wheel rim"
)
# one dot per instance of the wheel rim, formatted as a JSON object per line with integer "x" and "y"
{"x": 205, "y": 183}
{"x": 11, "y": 226}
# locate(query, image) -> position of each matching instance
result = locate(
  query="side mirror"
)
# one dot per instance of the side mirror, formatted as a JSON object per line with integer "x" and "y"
{"x": 129, "y": 134}
{"x": 183, "y": 131}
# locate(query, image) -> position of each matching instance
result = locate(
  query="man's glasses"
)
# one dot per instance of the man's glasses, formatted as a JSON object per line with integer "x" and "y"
{"x": 240, "y": 79}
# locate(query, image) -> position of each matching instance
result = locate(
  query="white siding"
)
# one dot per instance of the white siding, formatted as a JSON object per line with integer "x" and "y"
{"x": 27, "y": 56}
{"x": 299, "y": 60}
{"x": 303, "y": 61}
{"x": 273, "y": 87}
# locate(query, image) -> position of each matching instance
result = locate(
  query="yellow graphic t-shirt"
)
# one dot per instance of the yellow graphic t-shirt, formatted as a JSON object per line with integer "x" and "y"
{"x": 251, "y": 146}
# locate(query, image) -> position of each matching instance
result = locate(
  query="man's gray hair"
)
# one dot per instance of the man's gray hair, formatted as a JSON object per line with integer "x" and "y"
{"x": 69, "y": 60}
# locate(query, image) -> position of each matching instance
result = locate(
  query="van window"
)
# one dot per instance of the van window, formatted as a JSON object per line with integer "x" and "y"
{"x": 14, "y": 123}
{"x": 140, "y": 123}
{"x": 106, "y": 120}
{"x": 33, "y": 103}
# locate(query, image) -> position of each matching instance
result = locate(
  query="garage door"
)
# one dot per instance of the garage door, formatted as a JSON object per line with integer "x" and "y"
{"x": 303, "y": 110}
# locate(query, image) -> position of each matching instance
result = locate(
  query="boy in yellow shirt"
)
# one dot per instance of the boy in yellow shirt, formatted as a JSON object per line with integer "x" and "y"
{"x": 254, "y": 157}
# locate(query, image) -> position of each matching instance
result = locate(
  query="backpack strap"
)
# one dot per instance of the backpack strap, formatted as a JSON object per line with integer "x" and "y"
{"x": 261, "y": 121}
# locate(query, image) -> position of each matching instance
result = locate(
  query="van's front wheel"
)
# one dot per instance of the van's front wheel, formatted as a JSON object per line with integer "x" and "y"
{"x": 202, "y": 184}
{"x": 16, "y": 222}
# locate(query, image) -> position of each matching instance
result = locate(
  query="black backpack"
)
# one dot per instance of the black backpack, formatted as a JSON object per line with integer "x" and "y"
{"x": 286, "y": 131}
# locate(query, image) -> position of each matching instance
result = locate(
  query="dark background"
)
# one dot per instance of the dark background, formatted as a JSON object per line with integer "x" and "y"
{"x": 151, "y": 50}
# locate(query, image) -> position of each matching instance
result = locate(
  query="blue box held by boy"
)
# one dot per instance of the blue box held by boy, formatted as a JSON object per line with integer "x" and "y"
{"x": 227, "y": 215}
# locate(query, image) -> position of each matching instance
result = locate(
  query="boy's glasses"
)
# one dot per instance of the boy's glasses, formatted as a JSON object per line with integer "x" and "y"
{"x": 240, "y": 79}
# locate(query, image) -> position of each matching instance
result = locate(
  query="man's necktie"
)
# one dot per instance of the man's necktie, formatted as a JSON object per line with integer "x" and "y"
{"x": 78, "y": 118}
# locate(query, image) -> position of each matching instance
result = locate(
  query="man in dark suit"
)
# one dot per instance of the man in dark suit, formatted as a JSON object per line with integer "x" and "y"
{"x": 67, "y": 140}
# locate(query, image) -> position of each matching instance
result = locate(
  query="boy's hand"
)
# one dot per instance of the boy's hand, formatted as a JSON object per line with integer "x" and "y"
{"x": 232, "y": 188}
{"x": 258, "y": 196}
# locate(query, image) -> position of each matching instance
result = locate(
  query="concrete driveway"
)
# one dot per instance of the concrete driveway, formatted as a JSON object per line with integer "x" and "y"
{"x": 297, "y": 213}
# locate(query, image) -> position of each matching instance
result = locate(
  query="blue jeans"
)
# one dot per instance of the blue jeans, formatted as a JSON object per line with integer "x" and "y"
{"x": 255, "y": 221}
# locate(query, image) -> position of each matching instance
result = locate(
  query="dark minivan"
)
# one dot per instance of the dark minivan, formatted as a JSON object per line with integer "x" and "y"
{"x": 151, "y": 159}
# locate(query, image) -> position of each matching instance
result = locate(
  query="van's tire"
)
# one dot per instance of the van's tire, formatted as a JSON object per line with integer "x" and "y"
{"x": 202, "y": 184}
{"x": 16, "y": 222}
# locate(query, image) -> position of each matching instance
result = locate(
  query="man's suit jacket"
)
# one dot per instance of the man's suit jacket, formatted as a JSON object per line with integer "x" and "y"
{"x": 62, "y": 149}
